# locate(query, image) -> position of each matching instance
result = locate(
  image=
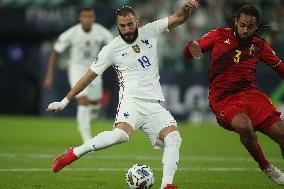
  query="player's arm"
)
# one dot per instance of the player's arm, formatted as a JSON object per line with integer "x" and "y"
{"x": 80, "y": 86}
{"x": 99, "y": 65}
{"x": 48, "y": 80}
{"x": 60, "y": 45}
{"x": 182, "y": 14}
{"x": 271, "y": 59}
{"x": 279, "y": 68}
{"x": 194, "y": 49}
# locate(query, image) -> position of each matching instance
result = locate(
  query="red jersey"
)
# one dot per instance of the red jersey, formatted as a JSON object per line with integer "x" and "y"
{"x": 233, "y": 67}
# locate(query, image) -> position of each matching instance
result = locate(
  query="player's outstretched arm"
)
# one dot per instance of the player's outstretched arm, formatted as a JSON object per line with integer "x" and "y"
{"x": 48, "y": 80}
{"x": 182, "y": 14}
{"x": 80, "y": 85}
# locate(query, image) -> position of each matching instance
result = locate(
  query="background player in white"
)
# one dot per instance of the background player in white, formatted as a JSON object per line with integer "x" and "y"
{"x": 134, "y": 55}
{"x": 84, "y": 40}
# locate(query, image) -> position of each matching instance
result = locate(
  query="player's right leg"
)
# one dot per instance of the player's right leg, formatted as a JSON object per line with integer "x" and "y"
{"x": 105, "y": 139}
{"x": 241, "y": 124}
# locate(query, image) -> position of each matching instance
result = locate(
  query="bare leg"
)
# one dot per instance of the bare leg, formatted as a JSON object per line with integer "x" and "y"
{"x": 242, "y": 125}
{"x": 276, "y": 133}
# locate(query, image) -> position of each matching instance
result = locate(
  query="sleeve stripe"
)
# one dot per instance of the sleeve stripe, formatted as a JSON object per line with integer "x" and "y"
{"x": 276, "y": 64}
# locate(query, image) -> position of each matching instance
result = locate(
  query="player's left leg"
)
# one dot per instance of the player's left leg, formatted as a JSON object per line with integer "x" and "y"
{"x": 172, "y": 141}
{"x": 276, "y": 133}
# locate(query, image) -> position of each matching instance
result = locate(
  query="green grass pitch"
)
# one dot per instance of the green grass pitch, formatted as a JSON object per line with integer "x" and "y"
{"x": 210, "y": 157}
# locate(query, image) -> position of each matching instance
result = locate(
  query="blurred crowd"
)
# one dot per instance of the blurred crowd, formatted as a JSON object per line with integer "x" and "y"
{"x": 28, "y": 35}
{"x": 211, "y": 14}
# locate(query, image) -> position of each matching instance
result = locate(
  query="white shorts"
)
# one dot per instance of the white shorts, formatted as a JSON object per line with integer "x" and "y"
{"x": 147, "y": 115}
{"x": 93, "y": 91}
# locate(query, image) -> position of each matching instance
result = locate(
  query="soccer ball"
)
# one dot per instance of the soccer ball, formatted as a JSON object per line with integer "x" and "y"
{"x": 140, "y": 176}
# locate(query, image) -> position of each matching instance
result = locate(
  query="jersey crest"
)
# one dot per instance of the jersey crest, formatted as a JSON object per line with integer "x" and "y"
{"x": 227, "y": 41}
{"x": 146, "y": 42}
{"x": 136, "y": 48}
{"x": 252, "y": 50}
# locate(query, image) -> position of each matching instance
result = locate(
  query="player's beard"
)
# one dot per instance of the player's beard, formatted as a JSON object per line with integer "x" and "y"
{"x": 129, "y": 41}
{"x": 243, "y": 41}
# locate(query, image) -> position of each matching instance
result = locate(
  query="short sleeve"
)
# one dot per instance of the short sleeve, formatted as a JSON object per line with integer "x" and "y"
{"x": 207, "y": 41}
{"x": 156, "y": 28}
{"x": 63, "y": 41}
{"x": 268, "y": 56}
{"x": 103, "y": 61}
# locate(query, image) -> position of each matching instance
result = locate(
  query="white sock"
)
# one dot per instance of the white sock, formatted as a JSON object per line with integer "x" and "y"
{"x": 170, "y": 157}
{"x": 84, "y": 122}
{"x": 102, "y": 140}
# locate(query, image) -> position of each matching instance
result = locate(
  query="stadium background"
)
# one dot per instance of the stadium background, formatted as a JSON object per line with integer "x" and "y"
{"x": 210, "y": 157}
{"x": 29, "y": 28}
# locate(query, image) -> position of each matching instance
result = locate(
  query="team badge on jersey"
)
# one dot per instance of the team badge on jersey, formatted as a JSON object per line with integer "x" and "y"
{"x": 227, "y": 41}
{"x": 146, "y": 42}
{"x": 136, "y": 48}
{"x": 252, "y": 50}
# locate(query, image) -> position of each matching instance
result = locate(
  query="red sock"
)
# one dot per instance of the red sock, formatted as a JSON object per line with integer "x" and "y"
{"x": 258, "y": 156}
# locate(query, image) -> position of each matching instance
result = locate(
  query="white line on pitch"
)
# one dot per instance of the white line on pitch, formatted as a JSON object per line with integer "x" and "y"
{"x": 106, "y": 157}
{"x": 211, "y": 169}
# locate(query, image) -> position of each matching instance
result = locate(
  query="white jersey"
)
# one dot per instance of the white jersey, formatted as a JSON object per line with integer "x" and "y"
{"x": 136, "y": 64}
{"x": 84, "y": 46}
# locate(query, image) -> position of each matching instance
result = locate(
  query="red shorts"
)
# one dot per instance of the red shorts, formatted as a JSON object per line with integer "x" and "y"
{"x": 255, "y": 104}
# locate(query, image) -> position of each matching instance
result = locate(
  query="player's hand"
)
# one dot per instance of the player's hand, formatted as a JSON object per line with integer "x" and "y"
{"x": 195, "y": 50}
{"x": 191, "y": 4}
{"x": 57, "y": 106}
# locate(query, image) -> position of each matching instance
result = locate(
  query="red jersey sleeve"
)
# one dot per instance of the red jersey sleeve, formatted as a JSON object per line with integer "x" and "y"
{"x": 207, "y": 41}
{"x": 269, "y": 57}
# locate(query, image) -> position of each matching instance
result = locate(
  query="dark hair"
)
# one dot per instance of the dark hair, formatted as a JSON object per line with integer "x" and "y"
{"x": 254, "y": 12}
{"x": 124, "y": 11}
{"x": 249, "y": 10}
{"x": 86, "y": 9}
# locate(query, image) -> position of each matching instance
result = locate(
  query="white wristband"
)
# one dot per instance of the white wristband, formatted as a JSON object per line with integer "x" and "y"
{"x": 65, "y": 101}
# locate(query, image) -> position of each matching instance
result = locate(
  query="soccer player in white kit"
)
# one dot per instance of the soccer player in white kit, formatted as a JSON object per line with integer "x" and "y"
{"x": 85, "y": 39}
{"x": 134, "y": 56}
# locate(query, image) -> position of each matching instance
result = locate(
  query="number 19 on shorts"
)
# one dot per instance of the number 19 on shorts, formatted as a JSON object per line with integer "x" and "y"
{"x": 144, "y": 62}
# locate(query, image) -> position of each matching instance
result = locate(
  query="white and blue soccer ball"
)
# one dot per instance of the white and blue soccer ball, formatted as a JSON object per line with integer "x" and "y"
{"x": 140, "y": 176}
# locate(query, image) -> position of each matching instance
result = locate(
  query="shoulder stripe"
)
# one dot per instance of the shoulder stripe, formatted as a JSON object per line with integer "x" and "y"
{"x": 276, "y": 64}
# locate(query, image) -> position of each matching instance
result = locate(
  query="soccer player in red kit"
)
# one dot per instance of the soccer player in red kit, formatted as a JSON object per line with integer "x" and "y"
{"x": 234, "y": 98}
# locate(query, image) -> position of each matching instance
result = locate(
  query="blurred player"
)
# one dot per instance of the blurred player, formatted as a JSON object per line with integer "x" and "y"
{"x": 134, "y": 56}
{"x": 234, "y": 98}
{"x": 84, "y": 40}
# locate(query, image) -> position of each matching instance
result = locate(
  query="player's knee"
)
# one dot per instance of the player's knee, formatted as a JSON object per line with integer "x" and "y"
{"x": 121, "y": 135}
{"x": 242, "y": 124}
{"x": 173, "y": 139}
{"x": 244, "y": 129}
